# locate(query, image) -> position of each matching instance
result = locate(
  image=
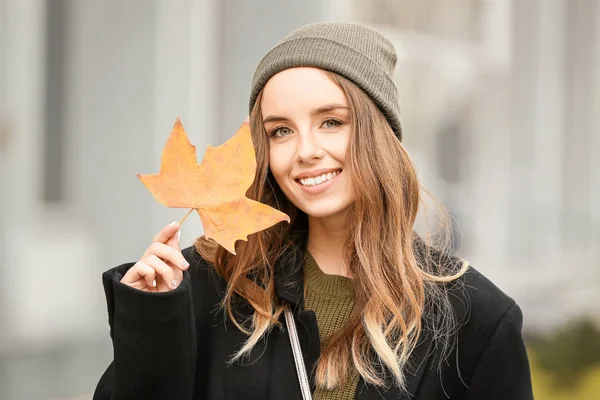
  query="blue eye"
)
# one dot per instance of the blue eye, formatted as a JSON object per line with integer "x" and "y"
{"x": 280, "y": 132}
{"x": 331, "y": 123}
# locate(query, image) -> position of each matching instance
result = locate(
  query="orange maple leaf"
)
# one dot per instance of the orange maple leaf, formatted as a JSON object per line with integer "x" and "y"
{"x": 215, "y": 188}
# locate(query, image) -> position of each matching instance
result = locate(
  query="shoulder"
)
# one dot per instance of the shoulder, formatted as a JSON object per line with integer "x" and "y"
{"x": 203, "y": 274}
{"x": 473, "y": 297}
{"x": 197, "y": 262}
{"x": 490, "y": 353}
{"x": 486, "y": 318}
{"x": 477, "y": 302}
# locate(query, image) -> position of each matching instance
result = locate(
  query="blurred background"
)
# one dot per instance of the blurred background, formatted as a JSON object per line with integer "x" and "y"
{"x": 501, "y": 108}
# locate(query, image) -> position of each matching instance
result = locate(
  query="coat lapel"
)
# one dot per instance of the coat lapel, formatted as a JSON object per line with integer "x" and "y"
{"x": 289, "y": 285}
{"x": 289, "y": 277}
{"x": 419, "y": 360}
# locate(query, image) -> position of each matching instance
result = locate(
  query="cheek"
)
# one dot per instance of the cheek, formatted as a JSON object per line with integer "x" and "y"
{"x": 277, "y": 163}
{"x": 339, "y": 147}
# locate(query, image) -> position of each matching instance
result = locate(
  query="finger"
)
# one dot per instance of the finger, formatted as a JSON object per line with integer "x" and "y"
{"x": 167, "y": 253}
{"x": 140, "y": 271}
{"x": 147, "y": 273}
{"x": 163, "y": 270}
{"x": 178, "y": 276}
{"x": 174, "y": 240}
{"x": 167, "y": 232}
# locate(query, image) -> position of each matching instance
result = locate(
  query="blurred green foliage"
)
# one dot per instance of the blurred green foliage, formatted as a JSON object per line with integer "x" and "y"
{"x": 566, "y": 364}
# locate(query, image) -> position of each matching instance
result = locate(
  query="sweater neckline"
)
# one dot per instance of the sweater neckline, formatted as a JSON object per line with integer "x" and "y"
{"x": 319, "y": 282}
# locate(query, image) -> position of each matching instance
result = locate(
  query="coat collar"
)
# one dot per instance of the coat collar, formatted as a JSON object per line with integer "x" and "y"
{"x": 289, "y": 286}
{"x": 289, "y": 275}
{"x": 418, "y": 364}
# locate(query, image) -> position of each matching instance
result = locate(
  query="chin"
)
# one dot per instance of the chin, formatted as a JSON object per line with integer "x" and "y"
{"x": 322, "y": 211}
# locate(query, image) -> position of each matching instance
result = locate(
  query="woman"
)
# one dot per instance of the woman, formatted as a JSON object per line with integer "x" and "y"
{"x": 379, "y": 312}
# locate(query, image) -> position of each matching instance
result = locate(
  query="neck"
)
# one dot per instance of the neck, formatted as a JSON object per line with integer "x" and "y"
{"x": 326, "y": 241}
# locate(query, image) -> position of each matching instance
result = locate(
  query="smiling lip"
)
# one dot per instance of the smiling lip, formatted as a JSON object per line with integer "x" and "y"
{"x": 320, "y": 188}
{"x": 316, "y": 172}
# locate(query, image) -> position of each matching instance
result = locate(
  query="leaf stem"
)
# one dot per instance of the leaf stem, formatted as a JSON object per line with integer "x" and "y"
{"x": 186, "y": 215}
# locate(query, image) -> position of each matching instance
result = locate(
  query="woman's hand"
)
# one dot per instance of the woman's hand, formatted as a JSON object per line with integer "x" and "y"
{"x": 161, "y": 267}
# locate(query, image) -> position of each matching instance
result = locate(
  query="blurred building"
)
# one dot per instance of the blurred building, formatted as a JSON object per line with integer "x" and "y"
{"x": 501, "y": 102}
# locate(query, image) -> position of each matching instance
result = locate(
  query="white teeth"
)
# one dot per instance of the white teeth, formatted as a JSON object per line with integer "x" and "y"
{"x": 318, "y": 179}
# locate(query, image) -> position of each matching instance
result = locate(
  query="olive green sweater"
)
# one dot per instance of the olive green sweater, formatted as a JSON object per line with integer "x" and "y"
{"x": 331, "y": 297}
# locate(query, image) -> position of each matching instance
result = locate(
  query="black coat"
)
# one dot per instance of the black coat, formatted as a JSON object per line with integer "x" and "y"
{"x": 176, "y": 345}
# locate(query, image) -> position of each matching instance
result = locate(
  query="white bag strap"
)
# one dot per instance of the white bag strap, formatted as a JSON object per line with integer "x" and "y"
{"x": 300, "y": 368}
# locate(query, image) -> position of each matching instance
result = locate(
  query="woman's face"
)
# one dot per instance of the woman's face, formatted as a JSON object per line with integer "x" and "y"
{"x": 307, "y": 119}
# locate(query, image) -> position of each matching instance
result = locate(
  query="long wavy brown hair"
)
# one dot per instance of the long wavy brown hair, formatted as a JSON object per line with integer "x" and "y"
{"x": 396, "y": 279}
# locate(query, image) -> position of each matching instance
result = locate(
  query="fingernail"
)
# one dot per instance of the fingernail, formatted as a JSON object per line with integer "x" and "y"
{"x": 172, "y": 223}
{"x": 154, "y": 283}
{"x": 184, "y": 263}
{"x": 178, "y": 236}
{"x": 174, "y": 283}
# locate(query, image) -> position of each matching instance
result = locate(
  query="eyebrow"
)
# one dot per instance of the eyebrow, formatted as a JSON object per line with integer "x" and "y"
{"x": 314, "y": 112}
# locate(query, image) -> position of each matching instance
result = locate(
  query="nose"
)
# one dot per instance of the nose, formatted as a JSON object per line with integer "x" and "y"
{"x": 309, "y": 148}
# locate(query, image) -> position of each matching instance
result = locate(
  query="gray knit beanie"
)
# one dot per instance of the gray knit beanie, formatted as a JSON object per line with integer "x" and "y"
{"x": 360, "y": 54}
